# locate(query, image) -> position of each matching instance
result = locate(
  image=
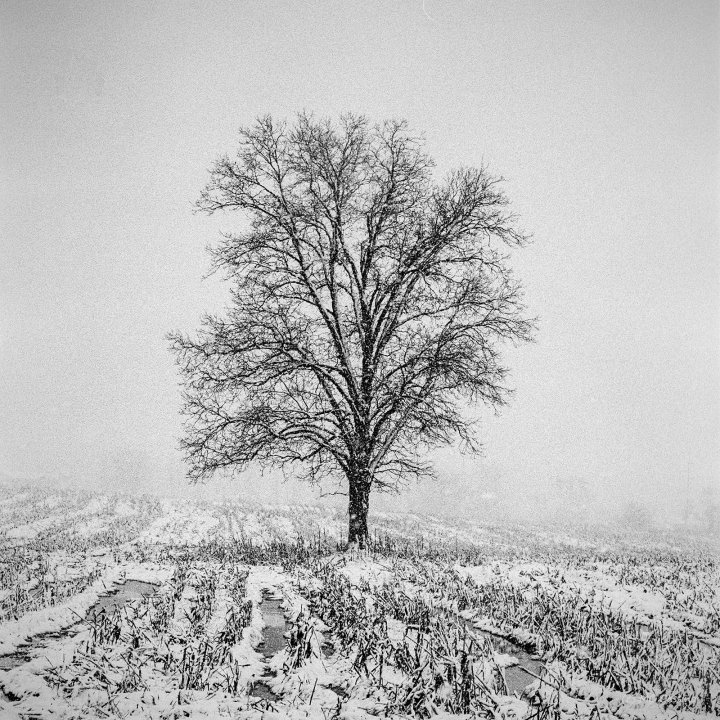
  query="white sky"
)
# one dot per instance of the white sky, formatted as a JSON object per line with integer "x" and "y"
{"x": 603, "y": 116}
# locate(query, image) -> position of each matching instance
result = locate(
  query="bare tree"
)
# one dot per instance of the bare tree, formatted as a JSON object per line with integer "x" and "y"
{"x": 369, "y": 304}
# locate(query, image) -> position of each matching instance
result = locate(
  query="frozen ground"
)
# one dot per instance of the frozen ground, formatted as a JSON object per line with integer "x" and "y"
{"x": 136, "y": 607}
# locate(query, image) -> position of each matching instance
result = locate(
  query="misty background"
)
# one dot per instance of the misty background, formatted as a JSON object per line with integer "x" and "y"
{"x": 604, "y": 117}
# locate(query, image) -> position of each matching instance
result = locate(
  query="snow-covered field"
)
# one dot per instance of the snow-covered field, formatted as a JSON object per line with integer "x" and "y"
{"x": 136, "y": 607}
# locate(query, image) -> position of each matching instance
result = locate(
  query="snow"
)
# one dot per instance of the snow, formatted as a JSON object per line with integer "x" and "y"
{"x": 651, "y": 591}
{"x": 61, "y": 617}
{"x": 366, "y": 570}
{"x": 30, "y": 530}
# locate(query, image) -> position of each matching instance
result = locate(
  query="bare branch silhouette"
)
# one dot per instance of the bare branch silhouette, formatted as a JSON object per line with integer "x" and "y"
{"x": 369, "y": 304}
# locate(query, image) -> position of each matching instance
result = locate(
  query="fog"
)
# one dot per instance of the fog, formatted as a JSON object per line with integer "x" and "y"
{"x": 602, "y": 116}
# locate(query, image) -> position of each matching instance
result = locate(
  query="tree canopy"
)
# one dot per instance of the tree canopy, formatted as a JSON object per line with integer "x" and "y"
{"x": 369, "y": 305}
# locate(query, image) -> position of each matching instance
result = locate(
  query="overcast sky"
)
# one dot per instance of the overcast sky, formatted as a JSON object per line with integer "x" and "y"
{"x": 603, "y": 116}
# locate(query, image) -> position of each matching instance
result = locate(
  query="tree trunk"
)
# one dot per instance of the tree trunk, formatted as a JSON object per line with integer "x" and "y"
{"x": 359, "y": 494}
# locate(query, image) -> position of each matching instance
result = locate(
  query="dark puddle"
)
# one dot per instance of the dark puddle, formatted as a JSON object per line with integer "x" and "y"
{"x": 273, "y": 642}
{"x": 275, "y": 626}
{"x": 23, "y": 654}
{"x": 262, "y": 691}
{"x": 118, "y": 596}
{"x": 517, "y": 677}
{"x": 339, "y": 690}
{"x": 327, "y": 649}
{"x": 8, "y": 662}
{"x": 122, "y": 594}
